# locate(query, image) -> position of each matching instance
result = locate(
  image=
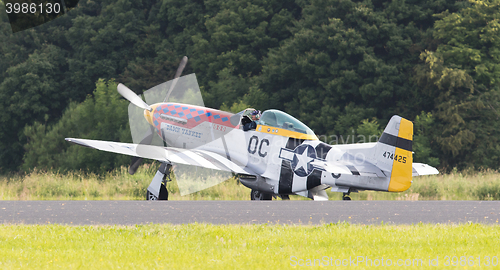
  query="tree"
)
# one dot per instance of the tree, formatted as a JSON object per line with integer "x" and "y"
{"x": 29, "y": 93}
{"x": 462, "y": 77}
{"x": 350, "y": 59}
{"x": 236, "y": 37}
{"x": 102, "y": 116}
{"x": 43, "y": 69}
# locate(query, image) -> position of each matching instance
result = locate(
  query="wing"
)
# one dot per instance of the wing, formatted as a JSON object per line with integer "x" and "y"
{"x": 193, "y": 157}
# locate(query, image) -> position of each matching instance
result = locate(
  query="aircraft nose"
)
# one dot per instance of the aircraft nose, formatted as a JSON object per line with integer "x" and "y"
{"x": 149, "y": 116}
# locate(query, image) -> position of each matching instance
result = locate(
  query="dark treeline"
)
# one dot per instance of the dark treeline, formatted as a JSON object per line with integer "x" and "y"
{"x": 342, "y": 67}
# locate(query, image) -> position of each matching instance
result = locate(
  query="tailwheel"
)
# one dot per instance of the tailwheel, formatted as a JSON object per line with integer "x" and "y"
{"x": 256, "y": 195}
{"x": 346, "y": 197}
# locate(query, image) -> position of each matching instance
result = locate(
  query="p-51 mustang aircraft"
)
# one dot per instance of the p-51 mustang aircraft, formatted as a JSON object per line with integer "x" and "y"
{"x": 280, "y": 157}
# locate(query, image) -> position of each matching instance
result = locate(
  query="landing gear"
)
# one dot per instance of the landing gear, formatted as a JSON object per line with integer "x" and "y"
{"x": 285, "y": 197}
{"x": 256, "y": 195}
{"x": 157, "y": 190}
{"x": 150, "y": 196}
{"x": 163, "y": 194}
{"x": 345, "y": 196}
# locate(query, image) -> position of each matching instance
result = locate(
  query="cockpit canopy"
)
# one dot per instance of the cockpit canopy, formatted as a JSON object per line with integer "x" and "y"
{"x": 279, "y": 119}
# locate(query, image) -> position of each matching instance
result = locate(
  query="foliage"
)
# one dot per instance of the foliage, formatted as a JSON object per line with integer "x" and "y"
{"x": 102, "y": 116}
{"x": 118, "y": 184}
{"x": 422, "y": 140}
{"x": 462, "y": 77}
{"x": 44, "y": 69}
{"x": 235, "y": 42}
{"x": 30, "y": 92}
{"x": 488, "y": 192}
{"x": 347, "y": 61}
{"x": 369, "y": 131}
{"x": 236, "y": 107}
{"x": 340, "y": 66}
{"x": 114, "y": 185}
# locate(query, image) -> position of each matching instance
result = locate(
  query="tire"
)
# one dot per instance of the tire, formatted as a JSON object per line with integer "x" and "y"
{"x": 256, "y": 195}
{"x": 150, "y": 196}
{"x": 163, "y": 194}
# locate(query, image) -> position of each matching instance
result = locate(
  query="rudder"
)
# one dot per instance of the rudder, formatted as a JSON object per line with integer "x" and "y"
{"x": 394, "y": 153}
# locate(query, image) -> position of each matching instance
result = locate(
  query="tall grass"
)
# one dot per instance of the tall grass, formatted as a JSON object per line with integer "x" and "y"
{"x": 79, "y": 186}
{"x": 119, "y": 185}
{"x": 115, "y": 185}
{"x": 483, "y": 185}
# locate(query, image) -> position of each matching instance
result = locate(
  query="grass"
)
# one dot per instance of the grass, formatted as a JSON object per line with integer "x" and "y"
{"x": 202, "y": 246}
{"x": 115, "y": 185}
{"x": 119, "y": 185}
{"x": 453, "y": 186}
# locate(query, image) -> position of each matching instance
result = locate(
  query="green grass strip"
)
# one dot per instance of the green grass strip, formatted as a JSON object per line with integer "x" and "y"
{"x": 202, "y": 246}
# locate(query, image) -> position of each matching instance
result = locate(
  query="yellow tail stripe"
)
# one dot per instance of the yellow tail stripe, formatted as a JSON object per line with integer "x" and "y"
{"x": 403, "y": 159}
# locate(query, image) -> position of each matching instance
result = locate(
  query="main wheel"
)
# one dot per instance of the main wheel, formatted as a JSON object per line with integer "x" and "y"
{"x": 150, "y": 196}
{"x": 163, "y": 194}
{"x": 256, "y": 195}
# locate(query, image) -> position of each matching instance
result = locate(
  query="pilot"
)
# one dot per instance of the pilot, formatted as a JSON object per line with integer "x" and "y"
{"x": 255, "y": 115}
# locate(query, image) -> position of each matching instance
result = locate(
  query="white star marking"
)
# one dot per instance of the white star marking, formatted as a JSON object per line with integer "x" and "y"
{"x": 303, "y": 160}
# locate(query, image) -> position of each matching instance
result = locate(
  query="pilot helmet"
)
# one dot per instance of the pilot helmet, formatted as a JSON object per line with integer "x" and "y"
{"x": 256, "y": 113}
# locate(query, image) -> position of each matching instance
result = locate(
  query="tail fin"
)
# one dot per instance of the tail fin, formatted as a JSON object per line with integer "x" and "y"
{"x": 394, "y": 153}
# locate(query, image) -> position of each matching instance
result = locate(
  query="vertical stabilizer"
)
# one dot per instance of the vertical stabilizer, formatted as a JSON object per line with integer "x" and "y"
{"x": 394, "y": 153}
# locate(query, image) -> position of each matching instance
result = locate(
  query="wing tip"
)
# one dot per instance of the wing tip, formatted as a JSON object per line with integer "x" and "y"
{"x": 424, "y": 169}
{"x": 75, "y": 141}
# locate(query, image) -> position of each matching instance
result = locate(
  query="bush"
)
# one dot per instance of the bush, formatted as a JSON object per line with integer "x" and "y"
{"x": 488, "y": 192}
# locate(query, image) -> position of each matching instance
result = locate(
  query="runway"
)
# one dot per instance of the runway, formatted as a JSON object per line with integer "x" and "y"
{"x": 247, "y": 212}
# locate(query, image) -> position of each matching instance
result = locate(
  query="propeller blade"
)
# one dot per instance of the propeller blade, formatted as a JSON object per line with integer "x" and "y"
{"x": 178, "y": 73}
{"x": 134, "y": 165}
{"x": 136, "y": 100}
{"x": 132, "y": 97}
{"x": 136, "y": 161}
{"x": 181, "y": 67}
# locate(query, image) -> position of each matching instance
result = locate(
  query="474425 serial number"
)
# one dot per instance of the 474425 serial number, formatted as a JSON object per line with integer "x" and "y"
{"x": 397, "y": 158}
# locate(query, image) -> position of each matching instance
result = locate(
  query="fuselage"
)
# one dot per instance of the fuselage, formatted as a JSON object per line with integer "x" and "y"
{"x": 281, "y": 150}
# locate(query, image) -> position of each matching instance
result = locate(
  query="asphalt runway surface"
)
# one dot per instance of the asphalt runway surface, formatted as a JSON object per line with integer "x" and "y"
{"x": 247, "y": 212}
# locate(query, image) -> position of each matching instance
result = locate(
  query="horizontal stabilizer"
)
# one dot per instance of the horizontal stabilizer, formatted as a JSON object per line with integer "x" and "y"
{"x": 423, "y": 169}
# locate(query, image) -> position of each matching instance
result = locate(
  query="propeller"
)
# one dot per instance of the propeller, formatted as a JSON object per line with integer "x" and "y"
{"x": 132, "y": 97}
{"x": 136, "y": 100}
{"x": 178, "y": 73}
{"x": 148, "y": 138}
{"x": 136, "y": 161}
